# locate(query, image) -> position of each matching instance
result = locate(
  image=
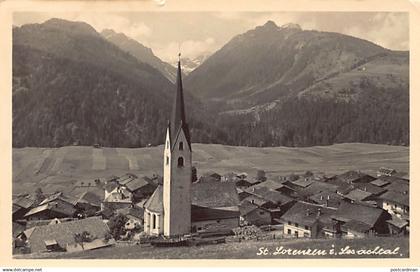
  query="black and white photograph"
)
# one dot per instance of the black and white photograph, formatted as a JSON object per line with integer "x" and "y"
{"x": 210, "y": 134}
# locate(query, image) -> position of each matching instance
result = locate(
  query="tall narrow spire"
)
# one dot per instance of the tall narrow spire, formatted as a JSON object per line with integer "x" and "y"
{"x": 178, "y": 119}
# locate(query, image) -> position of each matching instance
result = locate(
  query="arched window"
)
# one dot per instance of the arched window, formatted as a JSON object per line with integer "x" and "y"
{"x": 180, "y": 162}
{"x": 153, "y": 221}
{"x": 181, "y": 146}
{"x": 167, "y": 144}
{"x": 167, "y": 160}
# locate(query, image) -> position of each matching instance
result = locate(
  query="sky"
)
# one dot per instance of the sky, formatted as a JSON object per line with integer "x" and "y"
{"x": 202, "y": 33}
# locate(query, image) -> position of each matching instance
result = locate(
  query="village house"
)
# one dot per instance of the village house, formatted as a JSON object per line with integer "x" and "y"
{"x": 119, "y": 198}
{"x": 95, "y": 187}
{"x": 353, "y": 177}
{"x": 252, "y": 214}
{"x": 215, "y": 205}
{"x": 140, "y": 188}
{"x": 309, "y": 220}
{"x": 88, "y": 203}
{"x": 385, "y": 171}
{"x": 21, "y": 205}
{"x": 61, "y": 236}
{"x": 361, "y": 220}
{"x": 326, "y": 198}
{"x": 54, "y": 206}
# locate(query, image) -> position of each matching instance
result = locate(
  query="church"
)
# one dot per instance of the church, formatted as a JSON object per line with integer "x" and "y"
{"x": 180, "y": 207}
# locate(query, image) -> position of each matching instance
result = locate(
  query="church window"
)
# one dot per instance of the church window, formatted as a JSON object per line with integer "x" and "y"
{"x": 167, "y": 144}
{"x": 181, "y": 146}
{"x": 167, "y": 160}
{"x": 180, "y": 162}
{"x": 153, "y": 221}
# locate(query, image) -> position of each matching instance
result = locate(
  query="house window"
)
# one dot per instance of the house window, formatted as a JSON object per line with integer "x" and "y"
{"x": 289, "y": 231}
{"x": 181, "y": 146}
{"x": 167, "y": 160}
{"x": 261, "y": 213}
{"x": 296, "y": 233}
{"x": 180, "y": 162}
{"x": 306, "y": 227}
{"x": 296, "y": 225}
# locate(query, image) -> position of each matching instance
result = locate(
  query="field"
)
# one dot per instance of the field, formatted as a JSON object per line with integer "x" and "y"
{"x": 248, "y": 250}
{"x": 55, "y": 169}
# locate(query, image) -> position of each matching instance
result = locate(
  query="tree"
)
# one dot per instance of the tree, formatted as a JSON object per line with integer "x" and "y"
{"x": 39, "y": 196}
{"x": 83, "y": 237}
{"x": 116, "y": 225}
{"x": 193, "y": 174}
{"x": 261, "y": 175}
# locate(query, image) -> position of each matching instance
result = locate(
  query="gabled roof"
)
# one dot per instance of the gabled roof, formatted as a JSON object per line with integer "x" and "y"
{"x": 302, "y": 181}
{"x": 361, "y": 213}
{"x": 396, "y": 197}
{"x": 90, "y": 198}
{"x": 269, "y": 195}
{"x": 24, "y": 201}
{"x": 322, "y": 198}
{"x": 401, "y": 186}
{"x": 270, "y": 184}
{"x": 380, "y": 182}
{"x": 317, "y": 187}
{"x": 358, "y": 226}
{"x": 136, "y": 183}
{"x": 357, "y": 195}
{"x": 354, "y": 176}
{"x": 397, "y": 222}
{"x": 214, "y": 194}
{"x": 124, "y": 179}
{"x": 369, "y": 187}
{"x": 246, "y": 207}
{"x": 64, "y": 233}
{"x": 155, "y": 202}
{"x": 59, "y": 196}
{"x": 305, "y": 213}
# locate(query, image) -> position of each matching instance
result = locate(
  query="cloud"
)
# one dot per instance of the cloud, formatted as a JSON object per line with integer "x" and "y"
{"x": 389, "y": 30}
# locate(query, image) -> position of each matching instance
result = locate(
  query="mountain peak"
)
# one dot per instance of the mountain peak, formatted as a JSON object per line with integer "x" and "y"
{"x": 291, "y": 26}
{"x": 270, "y": 24}
{"x": 73, "y": 26}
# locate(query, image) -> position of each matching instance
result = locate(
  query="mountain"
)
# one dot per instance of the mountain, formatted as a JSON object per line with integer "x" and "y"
{"x": 189, "y": 64}
{"x": 286, "y": 86}
{"x": 140, "y": 52}
{"x": 271, "y": 62}
{"x": 71, "y": 85}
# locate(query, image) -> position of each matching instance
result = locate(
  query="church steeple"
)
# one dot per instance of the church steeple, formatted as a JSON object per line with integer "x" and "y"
{"x": 178, "y": 120}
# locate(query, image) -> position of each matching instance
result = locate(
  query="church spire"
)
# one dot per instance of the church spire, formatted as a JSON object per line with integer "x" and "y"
{"x": 178, "y": 119}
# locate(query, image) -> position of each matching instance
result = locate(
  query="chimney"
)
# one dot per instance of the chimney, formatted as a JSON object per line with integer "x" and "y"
{"x": 319, "y": 212}
{"x": 328, "y": 197}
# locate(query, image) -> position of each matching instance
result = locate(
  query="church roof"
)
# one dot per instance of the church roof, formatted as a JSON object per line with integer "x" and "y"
{"x": 155, "y": 202}
{"x": 178, "y": 120}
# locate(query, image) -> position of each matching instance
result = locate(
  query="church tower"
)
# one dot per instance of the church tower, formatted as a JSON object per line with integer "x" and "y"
{"x": 177, "y": 166}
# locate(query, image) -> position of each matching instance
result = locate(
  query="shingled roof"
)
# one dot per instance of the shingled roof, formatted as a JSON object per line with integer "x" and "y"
{"x": 396, "y": 197}
{"x": 305, "y": 213}
{"x": 214, "y": 194}
{"x": 368, "y": 215}
{"x": 155, "y": 202}
{"x": 64, "y": 233}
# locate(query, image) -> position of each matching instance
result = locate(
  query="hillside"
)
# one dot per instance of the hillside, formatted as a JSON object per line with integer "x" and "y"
{"x": 140, "y": 52}
{"x": 275, "y": 86}
{"x": 70, "y": 85}
{"x": 56, "y": 168}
